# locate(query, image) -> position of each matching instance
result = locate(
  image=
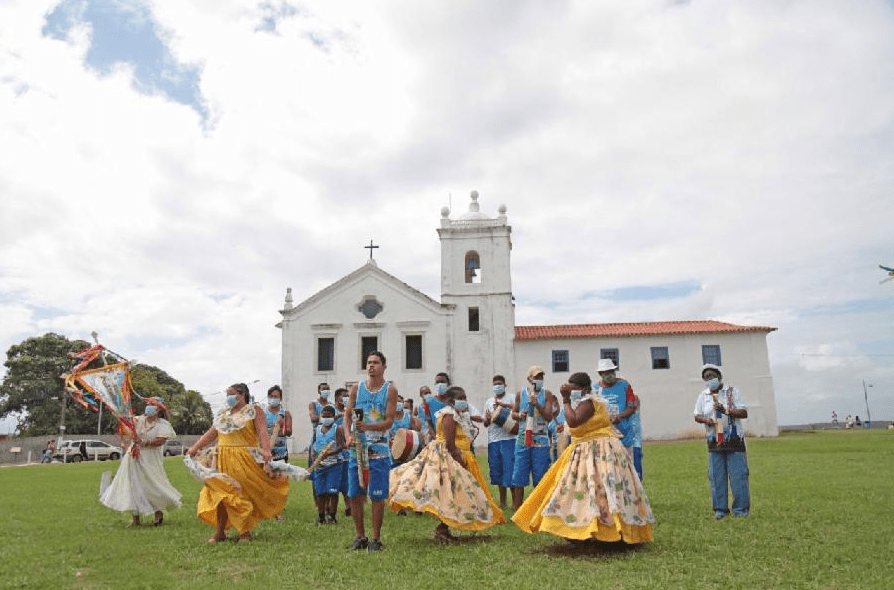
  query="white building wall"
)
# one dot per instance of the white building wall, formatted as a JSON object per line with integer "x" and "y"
{"x": 668, "y": 395}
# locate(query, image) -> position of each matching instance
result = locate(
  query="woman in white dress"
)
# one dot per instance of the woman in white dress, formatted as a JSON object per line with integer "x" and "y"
{"x": 141, "y": 485}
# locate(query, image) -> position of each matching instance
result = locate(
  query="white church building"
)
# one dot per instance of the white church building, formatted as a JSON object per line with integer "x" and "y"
{"x": 471, "y": 335}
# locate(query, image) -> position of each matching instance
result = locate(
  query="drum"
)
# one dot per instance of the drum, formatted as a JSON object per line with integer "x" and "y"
{"x": 503, "y": 419}
{"x": 406, "y": 444}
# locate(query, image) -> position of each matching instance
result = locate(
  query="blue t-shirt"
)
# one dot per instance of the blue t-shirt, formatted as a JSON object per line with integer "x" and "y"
{"x": 619, "y": 397}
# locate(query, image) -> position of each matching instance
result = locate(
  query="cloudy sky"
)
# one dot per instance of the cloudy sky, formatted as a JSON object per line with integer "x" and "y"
{"x": 167, "y": 169}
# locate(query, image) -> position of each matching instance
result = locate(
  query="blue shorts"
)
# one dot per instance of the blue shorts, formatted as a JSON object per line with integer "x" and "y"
{"x": 501, "y": 458}
{"x": 378, "y": 479}
{"x": 529, "y": 461}
{"x": 343, "y": 485}
{"x": 327, "y": 479}
{"x": 638, "y": 461}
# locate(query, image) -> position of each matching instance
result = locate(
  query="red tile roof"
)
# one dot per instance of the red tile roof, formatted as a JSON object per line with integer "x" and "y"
{"x": 631, "y": 329}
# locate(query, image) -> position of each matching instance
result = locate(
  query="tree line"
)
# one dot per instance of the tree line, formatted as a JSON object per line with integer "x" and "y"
{"x": 32, "y": 392}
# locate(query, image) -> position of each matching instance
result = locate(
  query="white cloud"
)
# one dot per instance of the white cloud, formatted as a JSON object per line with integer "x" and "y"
{"x": 744, "y": 147}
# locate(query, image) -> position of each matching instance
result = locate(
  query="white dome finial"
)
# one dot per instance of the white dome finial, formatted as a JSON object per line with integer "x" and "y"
{"x": 473, "y": 206}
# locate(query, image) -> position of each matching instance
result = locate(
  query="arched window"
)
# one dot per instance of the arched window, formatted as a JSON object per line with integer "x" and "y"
{"x": 473, "y": 267}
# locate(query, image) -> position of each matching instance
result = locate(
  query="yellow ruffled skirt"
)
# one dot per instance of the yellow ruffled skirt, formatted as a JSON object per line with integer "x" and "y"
{"x": 591, "y": 492}
{"x": 257, "y": 496}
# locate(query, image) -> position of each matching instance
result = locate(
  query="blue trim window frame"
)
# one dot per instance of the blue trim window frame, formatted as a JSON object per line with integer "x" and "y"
{"x": 711, "y": 354}
{"x": 561, "y": 361}
{"x": 660, "y": 357}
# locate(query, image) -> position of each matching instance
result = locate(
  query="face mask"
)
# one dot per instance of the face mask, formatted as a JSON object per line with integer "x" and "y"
{"x": 327, "y": 421}
{"x": 576, "y": 395}
{"x": 398, "y": 408}
{"x": 461, "y": 405}
{"x": 499, "y": 390}
{"x": 538, "y": 384}
{"x": 151, "y": 410}
{"x": 324, "y": 394}
{"x": 609, "y": 378}
{"x": 231, "y": 401}
{"x": 273, "y": 402}
{"x": 713, "y": 384}
{"x": 440, "y": 388}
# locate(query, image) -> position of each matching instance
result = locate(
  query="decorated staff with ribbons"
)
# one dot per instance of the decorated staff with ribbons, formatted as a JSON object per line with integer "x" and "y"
{"x": 722, "y": 409}
{"x": 141, "y": 485}
{"x": 533, "y": 407}
{"x": 367, "y": 423}
{"x": 592, "y": 491}
{"x": 243, "y": 449}
{"x": 501, "y": 433}
{"x": 444, "y": 480}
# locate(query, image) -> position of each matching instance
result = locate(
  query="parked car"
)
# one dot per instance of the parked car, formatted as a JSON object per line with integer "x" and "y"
{"x": 172, "y": 447}
{"x": 70, "y": 451}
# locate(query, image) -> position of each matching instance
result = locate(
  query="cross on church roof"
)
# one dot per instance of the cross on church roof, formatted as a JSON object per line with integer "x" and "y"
{"x": 370, "y": 248}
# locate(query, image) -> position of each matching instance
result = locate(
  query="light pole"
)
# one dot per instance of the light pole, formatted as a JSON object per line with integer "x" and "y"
{"x": 866, "y": 400}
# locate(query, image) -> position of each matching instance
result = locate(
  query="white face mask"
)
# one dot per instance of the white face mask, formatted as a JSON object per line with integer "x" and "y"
{"x": 538, "y": 384}
{"x": 151, "y": 410}
{"x": 324, "y": 394}
{"x": 499, "y": 390}
{"x": 273, "y": 402}
{"x": 440, "y": 388}
{"x": 327, "y": 421}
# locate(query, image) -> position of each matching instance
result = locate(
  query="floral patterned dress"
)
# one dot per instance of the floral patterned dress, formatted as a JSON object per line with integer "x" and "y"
{"x": 435, "y": 483}
{"x": 257, "y": 496}
{"x": 592, "y": 491}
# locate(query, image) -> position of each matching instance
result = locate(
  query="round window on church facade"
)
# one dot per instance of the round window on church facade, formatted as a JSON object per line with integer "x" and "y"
{"x": 370, "y": 308}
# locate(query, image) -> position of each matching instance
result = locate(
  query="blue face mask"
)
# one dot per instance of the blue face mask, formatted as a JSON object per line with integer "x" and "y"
{"x": 538, "y": 384}
{"x": 231, "y": 401}
{"x": 151, "y": 410}
{"x": 440, "y": 388}
{"x": 499, "y": 390}
{"x": 713, "y": 384}
{"x": 461, "y": 405}
{"x": 273, "y": 402}
{"x": 576, "y": 394}
{"x": 324, "y": 394}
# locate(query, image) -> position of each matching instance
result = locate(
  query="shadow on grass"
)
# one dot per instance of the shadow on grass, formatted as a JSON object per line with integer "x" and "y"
{"x": 591, "y": 548}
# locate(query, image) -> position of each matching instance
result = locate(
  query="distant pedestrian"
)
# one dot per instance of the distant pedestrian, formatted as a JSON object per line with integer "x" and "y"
{"x": 834, "y": 418}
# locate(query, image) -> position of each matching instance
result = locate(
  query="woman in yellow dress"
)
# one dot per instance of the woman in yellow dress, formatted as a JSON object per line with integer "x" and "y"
{"x": 444, "y": 480}
{"x": 592, "y": 491}
{"x": 222, "y": 505}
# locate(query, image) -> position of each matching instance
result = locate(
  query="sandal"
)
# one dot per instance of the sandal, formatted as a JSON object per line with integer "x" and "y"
{"x": 216, "y": 539}
{"x": 244, "y": 538}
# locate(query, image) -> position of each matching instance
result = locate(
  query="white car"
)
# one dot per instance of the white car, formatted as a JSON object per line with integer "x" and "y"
{"x": 72, "y": 451}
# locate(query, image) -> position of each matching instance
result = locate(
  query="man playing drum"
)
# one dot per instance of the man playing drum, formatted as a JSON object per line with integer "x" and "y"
{"x": 500, "y": 436}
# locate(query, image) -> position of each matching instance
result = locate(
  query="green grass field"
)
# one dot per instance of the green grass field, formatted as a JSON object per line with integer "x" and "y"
{"x": 822, "y": 517}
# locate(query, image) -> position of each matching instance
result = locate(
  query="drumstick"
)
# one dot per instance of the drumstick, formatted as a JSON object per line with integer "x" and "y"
{"x": 321, "y": 456}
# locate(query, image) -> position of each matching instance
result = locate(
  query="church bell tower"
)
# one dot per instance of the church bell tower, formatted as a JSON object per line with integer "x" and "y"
{"x": 476, "y": 280}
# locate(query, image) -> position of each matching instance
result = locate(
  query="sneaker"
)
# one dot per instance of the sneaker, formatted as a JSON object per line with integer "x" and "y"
{"x": 321, "y": 518}
{"x": 718, "y": 515}
{"x": 358, "y": 544}
{"x": 330, "y": 518}
{"x": 375, "y": 545}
